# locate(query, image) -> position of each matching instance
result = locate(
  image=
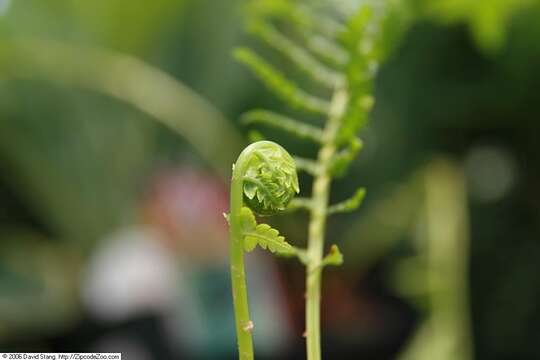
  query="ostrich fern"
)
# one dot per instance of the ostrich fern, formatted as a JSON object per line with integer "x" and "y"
{"x": 340, "y": 53}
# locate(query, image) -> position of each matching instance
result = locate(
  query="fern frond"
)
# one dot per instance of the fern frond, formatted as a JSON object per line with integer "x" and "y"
{"x": 359, "y": 28}
{"x": 303, "y": 59}
{"x": 344, "y": 57}
{"x": 269, "y": 238}
{"x": 356, "y": 116}
{"x": 247, "y": 219}
{"x": 327, "y": 49}
{"x": 341, "y": 160}
{"x": 307, "y": 165}
{"x": 263, "y": 191}
{"x": 350, "y": 204}
{"x": 300, "y": 15}
{"x": 300, "y": 203}
{"x": 281, "y": 86}
{"x": 320, "y": 23}
{"x": 269, "y": 177}
{"x": 254, "y": 136}
{"x": 282, "y": 10}
{"x": 263, "y": 235}
{"x": 285, "y": 123}
{"x": 362, "y": 41}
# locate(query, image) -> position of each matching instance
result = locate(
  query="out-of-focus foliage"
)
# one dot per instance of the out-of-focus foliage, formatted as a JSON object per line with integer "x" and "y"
{"x": 74, "y": 159}
{"x": 89, "y": 138}
{"x": 126, "y": 78}
{"x": 37, "y": 281}
{"x": 488, "y": 20}
{"x": 112, "y": 24}
{"x": 74, "y": 172}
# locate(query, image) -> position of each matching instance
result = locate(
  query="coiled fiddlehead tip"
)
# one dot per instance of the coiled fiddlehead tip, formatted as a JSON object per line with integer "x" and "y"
{"x": 270, "y": 178}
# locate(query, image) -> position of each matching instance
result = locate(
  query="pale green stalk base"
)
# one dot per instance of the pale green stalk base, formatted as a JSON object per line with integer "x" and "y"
{"x": 319, "y": 206}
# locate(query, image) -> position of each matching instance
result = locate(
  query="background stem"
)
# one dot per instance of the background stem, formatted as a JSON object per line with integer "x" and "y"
{"x": 447, "y": 255}
{"x": 317, "y": 225}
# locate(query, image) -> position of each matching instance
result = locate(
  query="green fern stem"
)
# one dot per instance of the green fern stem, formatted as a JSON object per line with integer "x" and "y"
{"x": 265, "y": 179}
{"x": 317, "y": 225}
{"x": 244, "y": 325}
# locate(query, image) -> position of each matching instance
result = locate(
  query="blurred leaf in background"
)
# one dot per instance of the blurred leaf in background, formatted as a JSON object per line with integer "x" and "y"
{"x": 73, "y": 158}
{"x": 488, "y": 20}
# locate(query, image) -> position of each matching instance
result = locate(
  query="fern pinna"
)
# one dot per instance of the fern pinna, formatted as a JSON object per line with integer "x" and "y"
{"x": 340, "y": 53}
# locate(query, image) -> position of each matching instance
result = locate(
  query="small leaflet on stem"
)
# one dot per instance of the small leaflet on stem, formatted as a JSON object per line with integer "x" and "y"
{"x": 300, "y": 204}
{"x": 263, "y": 235}
{"x": 334, "y": 257}
{"x": 350, "y": 204}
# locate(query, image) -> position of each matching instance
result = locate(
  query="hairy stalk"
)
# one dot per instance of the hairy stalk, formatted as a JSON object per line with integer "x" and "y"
{"x": 238, "y": 273}
{"x": 317, "y": 224}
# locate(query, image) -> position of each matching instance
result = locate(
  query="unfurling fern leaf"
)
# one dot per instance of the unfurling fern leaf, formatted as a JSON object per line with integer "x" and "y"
{"x": 264, "y": 178}
{"x": 269, "y": 178}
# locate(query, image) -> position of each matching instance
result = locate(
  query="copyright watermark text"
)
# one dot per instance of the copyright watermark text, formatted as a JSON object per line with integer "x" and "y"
{"x": 60, "y": 356}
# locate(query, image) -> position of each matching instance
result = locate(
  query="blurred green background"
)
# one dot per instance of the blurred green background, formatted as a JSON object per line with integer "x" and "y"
{"x": 118, "y": 127}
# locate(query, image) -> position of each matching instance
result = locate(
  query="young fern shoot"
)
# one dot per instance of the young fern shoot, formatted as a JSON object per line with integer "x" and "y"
{"x": 264, "y": 181}
{"x": 343, "y": 59}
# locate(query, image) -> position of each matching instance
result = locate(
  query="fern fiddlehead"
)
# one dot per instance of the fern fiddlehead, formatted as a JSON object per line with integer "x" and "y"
{"x": 264, "y": 181}
{"x": 342, "y": 57}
